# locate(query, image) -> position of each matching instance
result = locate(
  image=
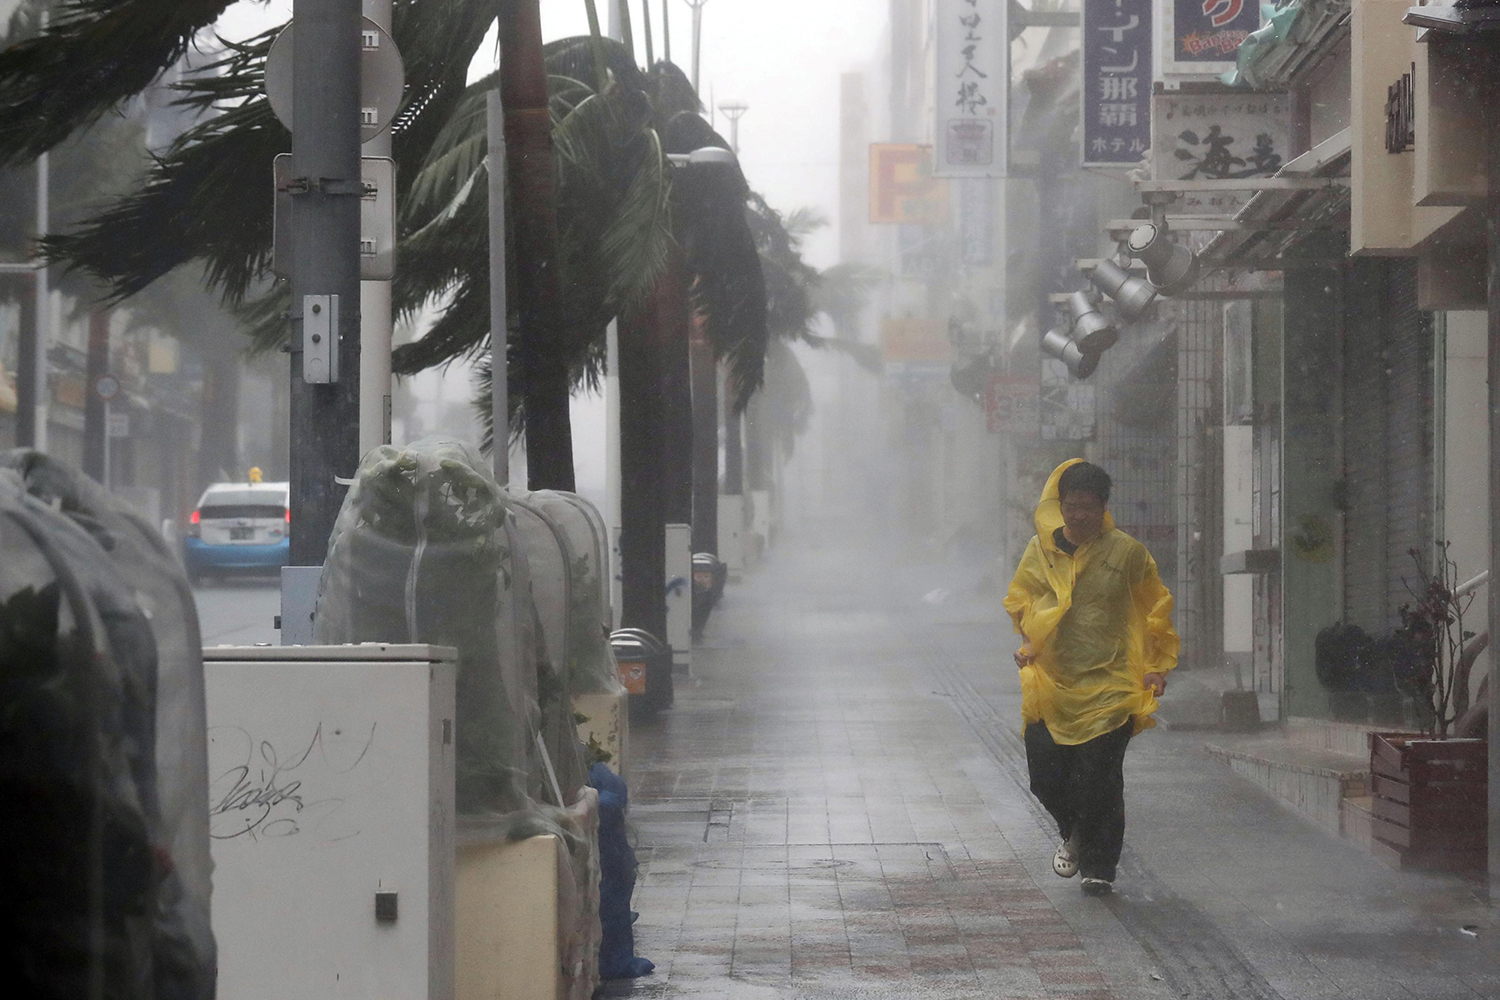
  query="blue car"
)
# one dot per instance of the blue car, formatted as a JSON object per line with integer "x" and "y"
{"x": 238, "y": 528}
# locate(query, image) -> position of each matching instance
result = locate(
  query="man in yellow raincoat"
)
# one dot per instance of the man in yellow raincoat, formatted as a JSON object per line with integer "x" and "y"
{"x": 1097, "y": 643}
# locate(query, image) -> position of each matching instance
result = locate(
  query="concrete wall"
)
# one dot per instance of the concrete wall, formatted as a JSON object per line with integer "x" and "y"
{"x": 1463, "y": 497}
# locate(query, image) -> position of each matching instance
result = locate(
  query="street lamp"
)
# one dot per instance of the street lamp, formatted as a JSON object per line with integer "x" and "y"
{"x": 734, "y": 110}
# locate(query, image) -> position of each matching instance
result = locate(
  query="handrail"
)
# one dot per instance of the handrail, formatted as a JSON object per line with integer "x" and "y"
{"x": 1472, "y": 585}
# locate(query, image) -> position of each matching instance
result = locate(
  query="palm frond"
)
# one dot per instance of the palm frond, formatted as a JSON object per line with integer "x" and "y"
{"x": 209, "y": 198}
{"x": 93, "y": 55}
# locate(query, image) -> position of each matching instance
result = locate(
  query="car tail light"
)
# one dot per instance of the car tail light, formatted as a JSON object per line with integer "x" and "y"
{"x": 289, "y": 515}
{"x": 193, "y": 520}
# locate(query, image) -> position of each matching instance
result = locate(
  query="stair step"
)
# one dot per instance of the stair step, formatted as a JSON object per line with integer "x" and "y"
{"x": 1312, "y": 780}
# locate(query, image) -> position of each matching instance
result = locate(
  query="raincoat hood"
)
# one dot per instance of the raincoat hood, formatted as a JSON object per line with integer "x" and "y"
{"x": 1049, "y": 509}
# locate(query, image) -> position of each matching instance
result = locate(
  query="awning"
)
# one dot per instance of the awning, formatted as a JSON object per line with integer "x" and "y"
{"x": 1277, "y": 229}
{"x": 1295, "y": 38}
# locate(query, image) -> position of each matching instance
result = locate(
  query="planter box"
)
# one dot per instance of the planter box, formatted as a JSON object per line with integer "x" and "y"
{"x": 1429, "y": 801}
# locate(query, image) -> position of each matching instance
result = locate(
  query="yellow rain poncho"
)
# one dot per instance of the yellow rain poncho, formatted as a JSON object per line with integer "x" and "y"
{"x": 1095, "y": 623}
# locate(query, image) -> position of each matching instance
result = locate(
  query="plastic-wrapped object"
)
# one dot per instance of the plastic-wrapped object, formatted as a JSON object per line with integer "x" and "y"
{"x": 550, "y": 562}
{"x": 420, "y": 553}
{"x": 591, "y": 665}
{"x": 151, "y": 570}
{"x": 96, "y": 904}
{"x": 617, "y": 868}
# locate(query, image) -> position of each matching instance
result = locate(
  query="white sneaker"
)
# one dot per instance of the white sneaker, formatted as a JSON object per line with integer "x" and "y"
{"x": 1096, "y": 886}
{"x": 1065, "y": 861}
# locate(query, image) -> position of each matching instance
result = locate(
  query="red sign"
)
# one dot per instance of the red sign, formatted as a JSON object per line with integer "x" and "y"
{"x": 1012, "y": 405}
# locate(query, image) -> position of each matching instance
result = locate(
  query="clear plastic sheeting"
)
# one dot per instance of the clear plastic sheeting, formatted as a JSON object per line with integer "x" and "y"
{"x": 102, "y": 753}
{"x": 428, "y": 548}
{"x": 421, "y": 553}
{"x": 548, "y": 562}
{"x": 591, "y": 661}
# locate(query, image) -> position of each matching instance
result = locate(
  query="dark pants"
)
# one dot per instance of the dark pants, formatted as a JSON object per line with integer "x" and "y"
{"x": 1083, "y": 787}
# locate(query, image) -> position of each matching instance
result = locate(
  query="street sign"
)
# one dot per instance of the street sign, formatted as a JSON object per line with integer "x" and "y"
{"x": 118, "y": 425}
{"x": 382, "y": 79}
{"x": 107, "y": 387}
{"x": 1012, "y": 405}
{"x": 377, "y": 218}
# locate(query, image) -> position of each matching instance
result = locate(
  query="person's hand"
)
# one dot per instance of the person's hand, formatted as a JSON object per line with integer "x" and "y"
{"x": 1157, "y": 683}
{"x": 1023, "y": 657}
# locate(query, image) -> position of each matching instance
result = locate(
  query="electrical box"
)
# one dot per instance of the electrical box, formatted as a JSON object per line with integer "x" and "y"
{"x": 332, "y": 816}
{"x": 320, "y": 338}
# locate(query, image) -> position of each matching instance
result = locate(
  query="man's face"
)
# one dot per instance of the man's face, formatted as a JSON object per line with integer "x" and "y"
{"x": 1083, "y": 513}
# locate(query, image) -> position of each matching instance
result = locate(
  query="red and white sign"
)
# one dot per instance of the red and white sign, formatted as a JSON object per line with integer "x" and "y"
{"x": 1012, "y": 405}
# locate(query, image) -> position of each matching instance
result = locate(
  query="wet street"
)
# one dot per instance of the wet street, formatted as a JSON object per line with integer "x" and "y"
{"x": 835, "y": 807}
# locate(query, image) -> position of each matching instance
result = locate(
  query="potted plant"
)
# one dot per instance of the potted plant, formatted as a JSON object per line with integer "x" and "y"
{"x": 1429, "y": 789}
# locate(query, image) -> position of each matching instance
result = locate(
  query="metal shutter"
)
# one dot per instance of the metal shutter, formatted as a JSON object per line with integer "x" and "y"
{"x": 1409, "y": 402}
{"x": 1387, "y": 422}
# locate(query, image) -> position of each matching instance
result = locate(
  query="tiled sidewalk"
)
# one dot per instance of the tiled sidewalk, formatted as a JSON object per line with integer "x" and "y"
{"x": 835, "y": 808}
{"x": 808, "y": 822}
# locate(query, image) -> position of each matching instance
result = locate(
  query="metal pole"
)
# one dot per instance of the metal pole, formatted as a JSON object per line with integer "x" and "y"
{"x": 325, "y": 223}
{"x": 499, "y": 333}
{"x": 31, "y": 362}
{"x": 646, "y": 27}
{"x": 375, "y": 323}
{"x": 697, "y": 6}
{"x": 1492, "y": 231}
{"x": 666, "y": 32}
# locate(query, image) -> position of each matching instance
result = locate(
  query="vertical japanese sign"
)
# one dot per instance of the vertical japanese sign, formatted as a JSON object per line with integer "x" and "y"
{"x": 1116, "y": 82}
{"x": 972, "y": 87}
{"x": 1202, "y": 35}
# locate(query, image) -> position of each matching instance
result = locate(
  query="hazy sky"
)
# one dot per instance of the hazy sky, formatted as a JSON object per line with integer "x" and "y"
{"x": 781, "y": 57}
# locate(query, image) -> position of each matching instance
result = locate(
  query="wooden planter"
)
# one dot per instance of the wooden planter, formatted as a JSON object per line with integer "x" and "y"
{"x": 1429, "y": 801}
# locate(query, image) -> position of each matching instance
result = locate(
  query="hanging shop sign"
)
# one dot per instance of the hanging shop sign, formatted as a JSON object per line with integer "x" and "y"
{"x": 1201, "y": 36}
{"x": 1218, "y": 137}
{"x": 971, "y": 87}
{"x": 902, "y": 187}
{"x": 1067, "y": 411}
{"x": 1116, "y": 87}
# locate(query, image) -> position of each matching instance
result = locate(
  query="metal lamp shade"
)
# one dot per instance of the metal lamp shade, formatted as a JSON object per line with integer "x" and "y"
{"x": 1057, "y": 344}
{"x": 1171, "y": 267}
{"x": 1091, "y": 331}
{"x": 1131, "y": 295}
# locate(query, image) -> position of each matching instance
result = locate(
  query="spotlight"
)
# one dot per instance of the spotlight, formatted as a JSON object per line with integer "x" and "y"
{"x": 1171, "y": 267}
{"x": 1130, "y": 294}
{"x": 1081, "y": 363}
{"x": 1091, "y": 331}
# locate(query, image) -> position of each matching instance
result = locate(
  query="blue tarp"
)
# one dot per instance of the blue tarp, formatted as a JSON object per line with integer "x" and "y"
{"x": 617, "y": 867}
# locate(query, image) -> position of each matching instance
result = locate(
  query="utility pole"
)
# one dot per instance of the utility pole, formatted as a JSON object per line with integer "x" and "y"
{"x": 499, "y": 334}
{"x": 697, "y": 6}
{"x": 1490, "y": 53}
{"x": 327, "y": 190}
{"x": 375, "y": 322}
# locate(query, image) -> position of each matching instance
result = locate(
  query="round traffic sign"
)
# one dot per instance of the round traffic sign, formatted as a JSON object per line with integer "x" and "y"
{"x": 107, "y": 387}
{"x": 382, "y": 78}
